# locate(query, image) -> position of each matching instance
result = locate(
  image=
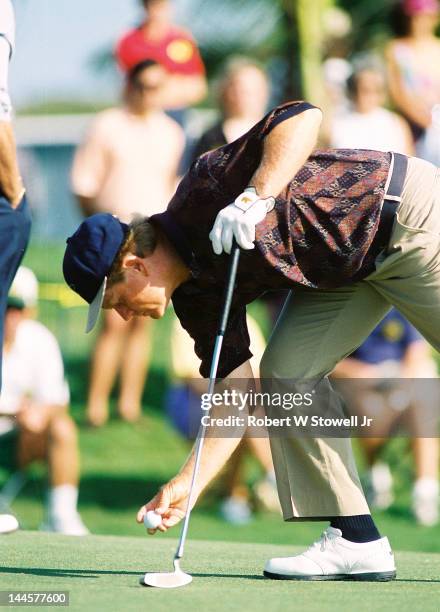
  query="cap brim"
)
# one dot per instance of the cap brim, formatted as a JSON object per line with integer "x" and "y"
{"x": 95, "y": 307}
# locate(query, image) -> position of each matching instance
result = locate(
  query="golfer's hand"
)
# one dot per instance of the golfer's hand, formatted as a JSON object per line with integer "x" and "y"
{"x": 170, "y": 503}
{"x": 238, "y": 220}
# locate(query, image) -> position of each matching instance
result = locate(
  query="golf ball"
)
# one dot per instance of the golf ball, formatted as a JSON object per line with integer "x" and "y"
{"x": 152, "y": 520}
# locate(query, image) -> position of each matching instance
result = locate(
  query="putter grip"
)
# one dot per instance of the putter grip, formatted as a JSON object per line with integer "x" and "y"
{"x": 229, "y": 290}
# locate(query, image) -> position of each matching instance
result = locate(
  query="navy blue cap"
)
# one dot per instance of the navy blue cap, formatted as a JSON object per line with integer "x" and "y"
{"x": 89, "y": 256}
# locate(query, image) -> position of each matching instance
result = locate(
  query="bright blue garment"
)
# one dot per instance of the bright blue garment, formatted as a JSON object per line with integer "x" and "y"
{"x": 183, "y": 408}
{"x": 388, "y": 341}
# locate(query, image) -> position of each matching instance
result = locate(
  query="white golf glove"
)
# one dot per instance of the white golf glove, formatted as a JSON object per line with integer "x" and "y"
{"x": 238, "y": 220}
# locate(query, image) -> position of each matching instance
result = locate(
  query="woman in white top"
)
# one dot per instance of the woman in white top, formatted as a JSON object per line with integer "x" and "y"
{"x": 413, "y": 62}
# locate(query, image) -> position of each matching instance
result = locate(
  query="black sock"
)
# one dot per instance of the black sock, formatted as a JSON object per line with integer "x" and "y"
{"x": 358, "y": 528}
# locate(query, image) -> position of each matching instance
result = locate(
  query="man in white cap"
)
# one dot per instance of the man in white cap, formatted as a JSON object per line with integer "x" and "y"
{"x": 35, "y": 395}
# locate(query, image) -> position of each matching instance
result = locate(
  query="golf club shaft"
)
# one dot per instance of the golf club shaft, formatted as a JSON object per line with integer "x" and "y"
{"x": 235, "y": 255}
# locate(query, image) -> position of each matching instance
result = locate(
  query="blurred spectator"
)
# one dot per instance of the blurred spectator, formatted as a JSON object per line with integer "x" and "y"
{"x": 395, "y": 351}
{"x": 413, "y": 59}
{"x": 336, "y": 68}
{"x": 336, "y": 71}
{"x": 35, "y": 397}
{"x": 171, "y": 46}
{"x": 183, "y": 407}
{"x": 15, "y": 222}
{"x": 127, "y": 164}
{"x": 15, "y": 217}
{"x": 242, "y": 96}
{"x": 129, "y": 159}
{"x": 368, "y": 125}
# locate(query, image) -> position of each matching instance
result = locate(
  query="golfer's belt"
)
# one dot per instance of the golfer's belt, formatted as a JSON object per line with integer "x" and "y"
{"x": 392, "y": 199}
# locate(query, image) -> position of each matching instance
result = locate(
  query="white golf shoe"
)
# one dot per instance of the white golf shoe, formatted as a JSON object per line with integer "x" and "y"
{"x": 334, "y": 558}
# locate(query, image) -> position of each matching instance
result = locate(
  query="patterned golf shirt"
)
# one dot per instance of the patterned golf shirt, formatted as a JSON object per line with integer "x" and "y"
{"x": 318, "y": 235}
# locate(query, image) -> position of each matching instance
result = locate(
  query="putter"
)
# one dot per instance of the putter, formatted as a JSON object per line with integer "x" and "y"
{"x": 179, "y": 578}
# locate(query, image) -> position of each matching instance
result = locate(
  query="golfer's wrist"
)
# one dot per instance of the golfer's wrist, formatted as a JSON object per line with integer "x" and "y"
{"x": 184, "y": 477}
{"x": 269, "y": 200}
{"x": 262, "y": 186}
{"x": 251, "y": 196}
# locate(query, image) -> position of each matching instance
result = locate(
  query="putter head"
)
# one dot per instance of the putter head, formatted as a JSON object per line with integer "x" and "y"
{"x": 167, "y": 580}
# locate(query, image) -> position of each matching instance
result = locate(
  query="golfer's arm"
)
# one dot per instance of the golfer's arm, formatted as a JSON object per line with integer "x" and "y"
{"x": 216, "y": 451}
{"x": 285, "y": 150}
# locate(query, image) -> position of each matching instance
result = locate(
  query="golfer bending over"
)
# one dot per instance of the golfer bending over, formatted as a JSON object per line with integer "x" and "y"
{"x": 350, "y": 231}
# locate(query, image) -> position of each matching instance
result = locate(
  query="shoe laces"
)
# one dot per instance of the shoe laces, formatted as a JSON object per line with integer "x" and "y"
{"x": 326, "y": 538}
{"x": 324, "y": 541}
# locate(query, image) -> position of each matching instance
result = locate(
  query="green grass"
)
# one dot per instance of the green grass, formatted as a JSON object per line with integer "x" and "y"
{"x": 123, "y": 466}
{"x": 103, "y": 574}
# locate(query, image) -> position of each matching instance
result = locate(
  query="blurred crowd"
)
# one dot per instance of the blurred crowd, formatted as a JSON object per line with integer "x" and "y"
{"x": 129, "y": 163}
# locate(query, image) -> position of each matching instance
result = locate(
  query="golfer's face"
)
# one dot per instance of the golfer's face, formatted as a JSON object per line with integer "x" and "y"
{"x": 135, "y": 297}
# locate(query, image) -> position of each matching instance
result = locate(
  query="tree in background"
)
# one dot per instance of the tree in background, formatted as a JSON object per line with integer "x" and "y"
{"x": 307, "y": 38}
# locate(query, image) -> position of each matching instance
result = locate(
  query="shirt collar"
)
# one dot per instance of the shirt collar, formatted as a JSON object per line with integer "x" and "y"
{"x": 177, "y": 238}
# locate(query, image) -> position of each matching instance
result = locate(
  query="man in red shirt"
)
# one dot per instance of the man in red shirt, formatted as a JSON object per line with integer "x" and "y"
{"x": 173, "y": 47}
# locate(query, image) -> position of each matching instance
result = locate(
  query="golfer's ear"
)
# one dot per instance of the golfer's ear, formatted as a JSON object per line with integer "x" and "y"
{"x": 134, "y": 262}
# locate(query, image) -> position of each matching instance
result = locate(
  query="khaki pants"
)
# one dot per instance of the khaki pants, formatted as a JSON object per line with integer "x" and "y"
{"x": 317, "y": 478}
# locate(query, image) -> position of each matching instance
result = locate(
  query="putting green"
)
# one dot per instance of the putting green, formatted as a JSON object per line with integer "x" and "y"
{"x": 102, "y": 573}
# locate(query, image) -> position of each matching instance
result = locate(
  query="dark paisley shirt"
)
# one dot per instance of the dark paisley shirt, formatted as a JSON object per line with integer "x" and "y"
{"x": 318, "y": 235}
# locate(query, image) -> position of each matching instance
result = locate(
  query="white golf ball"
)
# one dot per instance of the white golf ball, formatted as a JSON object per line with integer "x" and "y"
{"x": 152, "y": 520}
